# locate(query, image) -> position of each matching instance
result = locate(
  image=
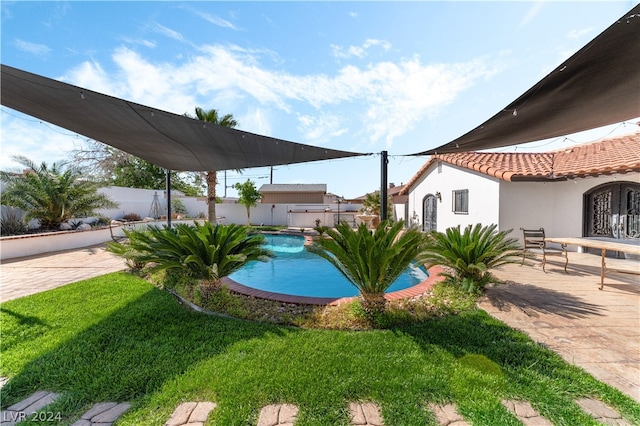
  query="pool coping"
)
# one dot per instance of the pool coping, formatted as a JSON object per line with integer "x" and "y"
{"x": 434, "y": 277}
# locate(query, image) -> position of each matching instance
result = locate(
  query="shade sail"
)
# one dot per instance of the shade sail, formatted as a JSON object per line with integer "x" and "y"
{"x": 597, "y": 86}
{"x": 168, "y": 140}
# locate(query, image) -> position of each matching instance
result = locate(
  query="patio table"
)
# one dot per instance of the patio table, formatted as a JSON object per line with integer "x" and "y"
{"x": 603, "y": 245}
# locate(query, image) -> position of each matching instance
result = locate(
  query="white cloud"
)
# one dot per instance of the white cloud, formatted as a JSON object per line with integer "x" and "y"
{"x": 256, "y": 121}
{"x": 579, "y": 33}
{"x": 34, "y": 139}
{"x": 359, "y": 51}
{"x": 216, "y": 20}
{"x": 141, "y": 41}
{"x": 168, "y": 32}
{"x": 391, "y": 97}
{"x": 32, "y": 48}
{"x": 531, "y": 14}
{"x": 319, "y": 129}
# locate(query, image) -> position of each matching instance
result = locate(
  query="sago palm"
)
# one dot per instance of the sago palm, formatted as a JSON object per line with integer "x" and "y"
{"x": 52, "y": 194}
{"x": 207, "y": 252}
{"x": 471, "y": 254}
{"x": 371, "y": 261}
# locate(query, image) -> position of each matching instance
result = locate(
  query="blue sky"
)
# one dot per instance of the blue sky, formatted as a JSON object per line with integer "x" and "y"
{"x": 357, "y": 76}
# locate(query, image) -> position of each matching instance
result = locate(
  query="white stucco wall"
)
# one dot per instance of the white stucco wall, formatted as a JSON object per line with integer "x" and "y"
{"x": 555, "y": 206}
{"x": 483, "y": 196}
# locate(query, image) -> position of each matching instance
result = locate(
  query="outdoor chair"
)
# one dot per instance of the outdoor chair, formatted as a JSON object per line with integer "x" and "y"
{"x": 534, "y": 242}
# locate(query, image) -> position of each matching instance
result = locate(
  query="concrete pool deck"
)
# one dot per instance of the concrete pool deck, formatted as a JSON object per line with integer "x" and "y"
{"x": 597, "y": 330}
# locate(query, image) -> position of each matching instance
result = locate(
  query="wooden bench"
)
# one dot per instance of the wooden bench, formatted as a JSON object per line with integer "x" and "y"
{"x": 534, "y": 242}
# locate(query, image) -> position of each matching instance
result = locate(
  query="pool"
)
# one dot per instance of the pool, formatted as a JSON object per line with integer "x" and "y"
{"x": 295, "y": 271}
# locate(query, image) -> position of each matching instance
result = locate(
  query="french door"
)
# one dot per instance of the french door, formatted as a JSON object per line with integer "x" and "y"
{"x": 613, "y": 211}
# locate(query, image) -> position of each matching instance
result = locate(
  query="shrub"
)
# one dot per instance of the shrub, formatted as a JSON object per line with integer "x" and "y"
{"x": 321, "y": 230}
{"x": 132, "y": 217}
{"x": 178, "y": 207}
{"x": 471, "y": 254}
{"x": 371, "y": 261}
{"x": 11, "y": 223}
{"x": 207, "y": 252}
{"x": 101, "y": 221}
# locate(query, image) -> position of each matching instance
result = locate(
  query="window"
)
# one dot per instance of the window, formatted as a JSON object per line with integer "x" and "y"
{"x": 461, "y": 201}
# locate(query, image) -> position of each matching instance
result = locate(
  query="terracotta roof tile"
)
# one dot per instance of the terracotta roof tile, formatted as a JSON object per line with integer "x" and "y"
{"x": 614, "y": 155}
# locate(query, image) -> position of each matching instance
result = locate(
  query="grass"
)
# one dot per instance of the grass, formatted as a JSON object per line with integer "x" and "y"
{"x": 118, "y": 338}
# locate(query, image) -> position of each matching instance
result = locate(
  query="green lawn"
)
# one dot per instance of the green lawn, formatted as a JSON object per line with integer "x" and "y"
{"x": 118, "y": 338}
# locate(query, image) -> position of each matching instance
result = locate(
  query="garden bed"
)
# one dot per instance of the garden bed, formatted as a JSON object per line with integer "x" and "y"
{"x": 44, "y": 242}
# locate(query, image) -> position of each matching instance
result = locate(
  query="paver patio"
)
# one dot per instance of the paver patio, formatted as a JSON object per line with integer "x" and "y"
{"x": 598, "y": 330}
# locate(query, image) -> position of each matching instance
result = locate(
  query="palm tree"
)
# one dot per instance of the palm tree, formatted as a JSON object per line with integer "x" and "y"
{"x": 52, "y": 194}
{"x": 371, "y": 261}
{"x": 371, "y": 204}
{"x": 227, "y": 120}
{"x": 471, "y": 254}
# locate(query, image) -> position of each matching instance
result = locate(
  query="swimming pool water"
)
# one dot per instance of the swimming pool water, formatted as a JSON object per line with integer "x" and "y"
{"x": 297, "y": 272}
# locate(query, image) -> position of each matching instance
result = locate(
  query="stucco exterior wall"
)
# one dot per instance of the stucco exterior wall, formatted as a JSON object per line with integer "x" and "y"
{"x": 558, "y": 207}
{"x": 444, "y": 178}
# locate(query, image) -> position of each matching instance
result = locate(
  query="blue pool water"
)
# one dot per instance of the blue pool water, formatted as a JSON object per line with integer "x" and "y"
{"x": 297, "y": 272}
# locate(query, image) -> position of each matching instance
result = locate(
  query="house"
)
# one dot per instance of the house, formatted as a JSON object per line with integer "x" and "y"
{"x": 398, "y": 201}
{"x": 293, "y": 193}
{"x": 589, "y": 190}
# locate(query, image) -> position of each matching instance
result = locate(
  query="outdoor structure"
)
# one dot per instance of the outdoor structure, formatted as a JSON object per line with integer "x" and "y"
{"x": 589, "y": 190}
{"x": 293, "y": 193}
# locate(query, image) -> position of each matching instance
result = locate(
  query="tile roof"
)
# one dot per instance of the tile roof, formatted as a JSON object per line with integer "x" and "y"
{"x": 614, "y": 155}
{"x": 392, "y": 191}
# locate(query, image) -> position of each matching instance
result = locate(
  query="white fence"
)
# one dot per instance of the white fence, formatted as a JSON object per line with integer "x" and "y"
{"x": 142, "y": 202}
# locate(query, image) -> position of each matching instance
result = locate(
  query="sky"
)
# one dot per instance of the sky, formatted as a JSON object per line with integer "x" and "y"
{"x": 368, "y": 77}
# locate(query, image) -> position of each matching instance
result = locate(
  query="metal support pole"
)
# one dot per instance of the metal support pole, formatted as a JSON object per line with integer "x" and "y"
{"x": 168, "y": 186}
{"x": 383, "y": 185}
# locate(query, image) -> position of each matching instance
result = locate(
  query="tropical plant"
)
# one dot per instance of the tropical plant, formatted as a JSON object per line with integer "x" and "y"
{"x": 52, "y": 194}
{"x": 371, "y": 261}
{"x": 321, "y": 230}
{"x": 118, "y": 168}
{"x": 11, "y": 223}
{"x": 471, "y": 254}
{"x": 227, "y": 120}
{"x": 206, "y": 252}
{"x": 371, "y": 203}
{"x": 132, "y": 257}
{"x": 178, "y": 207}
{"x": 249, "y": 196}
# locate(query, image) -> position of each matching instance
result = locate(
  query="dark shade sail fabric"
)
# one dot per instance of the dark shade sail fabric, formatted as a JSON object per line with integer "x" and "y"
{"x": 597, "y": 86}
{"x": 168, "y": 140}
